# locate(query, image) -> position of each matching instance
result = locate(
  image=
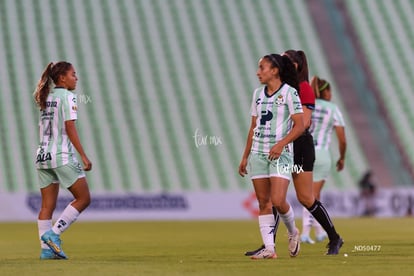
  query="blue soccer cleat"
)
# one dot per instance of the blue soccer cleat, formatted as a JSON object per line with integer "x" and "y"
{"x": 53, "y": 241}
{"x": 321, "y": 237}
{"x": 306, "y": 239}
{"x": 48, "y": 254}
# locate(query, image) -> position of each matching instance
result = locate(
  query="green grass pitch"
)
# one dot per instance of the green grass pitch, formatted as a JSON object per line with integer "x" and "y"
{"x": 374, "y": 247}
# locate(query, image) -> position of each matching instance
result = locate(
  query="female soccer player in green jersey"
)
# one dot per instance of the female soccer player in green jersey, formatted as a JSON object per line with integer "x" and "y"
{"x": 304, "y": 157}
{"x": 56, "y": 161}
{"x": 277, "y": 120}
{"x": 325, "y": 119}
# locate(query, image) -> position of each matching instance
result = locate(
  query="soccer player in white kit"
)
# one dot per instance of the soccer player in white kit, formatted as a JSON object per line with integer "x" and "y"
{"x": 325, "y": 119}
{"x": 304, "y": 157}
{"x": 56, "y": 161}
{"x": 276, "y": 121}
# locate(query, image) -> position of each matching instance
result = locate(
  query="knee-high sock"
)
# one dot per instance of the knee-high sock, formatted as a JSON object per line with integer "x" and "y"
{"x": 318, "y": 228}
{"x": 307, "y": 222}
{"x": 277, "y": 219}
{"x": 68, "y": 216}
{"x": 43, "y": 226}
{"x": 267, "y": 228}
{"x": 289, "y": 220}
{"x": 321, "y": 215}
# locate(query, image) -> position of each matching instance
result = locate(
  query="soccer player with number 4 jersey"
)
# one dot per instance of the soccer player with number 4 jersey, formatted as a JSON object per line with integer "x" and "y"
{"x": 56, "y": 160}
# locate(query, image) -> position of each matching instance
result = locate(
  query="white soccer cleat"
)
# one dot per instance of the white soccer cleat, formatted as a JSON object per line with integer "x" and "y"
{"x": 264, "y": 254}
{"x": 294, "y": 243}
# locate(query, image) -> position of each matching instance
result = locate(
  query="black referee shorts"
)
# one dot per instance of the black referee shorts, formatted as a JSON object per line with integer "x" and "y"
{"x": 304, "y": 151}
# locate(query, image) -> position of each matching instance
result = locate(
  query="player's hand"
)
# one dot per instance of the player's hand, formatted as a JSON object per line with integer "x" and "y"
{"x": 275, "y": 152}
{"x": 87, "y": 165}
{"x": 340, "y": 164}
{"x": 242, "y": 167}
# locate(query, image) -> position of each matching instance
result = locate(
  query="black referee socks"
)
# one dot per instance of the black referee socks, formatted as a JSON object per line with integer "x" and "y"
{"x": 321, "y": 215}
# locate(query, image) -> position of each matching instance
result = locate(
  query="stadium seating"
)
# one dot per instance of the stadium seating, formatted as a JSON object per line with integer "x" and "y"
{"x": 384, "y": 28}
{"x": 164, "y": 87}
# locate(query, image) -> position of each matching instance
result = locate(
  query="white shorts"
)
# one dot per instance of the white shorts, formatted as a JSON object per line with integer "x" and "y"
{"x": 262, "y": 167}
{"x": 322, "y": 166}
{"x": 66, "y": 175}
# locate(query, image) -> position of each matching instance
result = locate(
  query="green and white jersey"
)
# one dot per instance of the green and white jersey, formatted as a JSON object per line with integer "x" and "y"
{"x": 273, "y": 116}
{"x": 325, "y": 118}
{"x": 55, "y": 148}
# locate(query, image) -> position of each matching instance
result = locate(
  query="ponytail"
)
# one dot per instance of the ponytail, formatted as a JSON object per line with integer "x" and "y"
{"x": 43, "y": 87}
{"x": 314, "y": 85}
{"x": 303, "y": 70}
{"x": 299, "y": 57}
{"x": 49, "y": 76}
{"x": 319, "y": 86}
{"x": 289, "y": 74}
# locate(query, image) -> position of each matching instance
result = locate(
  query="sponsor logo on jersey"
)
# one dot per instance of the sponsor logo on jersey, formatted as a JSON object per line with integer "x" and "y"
{"x": 43, "y": 157}
{"x": 267, "y": 115}
{"x": 47, "y": 114}
{"x": 51, "y": 104}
